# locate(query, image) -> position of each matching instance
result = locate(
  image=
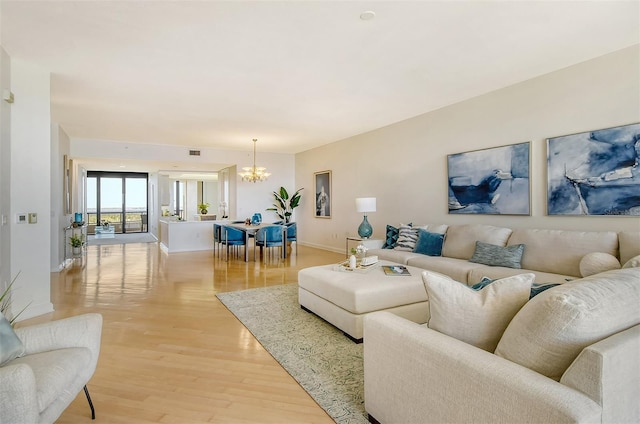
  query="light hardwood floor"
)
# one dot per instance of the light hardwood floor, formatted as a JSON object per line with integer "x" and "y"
{"x": 171, "y": 352}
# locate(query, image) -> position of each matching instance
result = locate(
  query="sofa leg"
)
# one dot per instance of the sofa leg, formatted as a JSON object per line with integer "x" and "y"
{"x": 372, "y": 420}
{"x": 93, "y": 411}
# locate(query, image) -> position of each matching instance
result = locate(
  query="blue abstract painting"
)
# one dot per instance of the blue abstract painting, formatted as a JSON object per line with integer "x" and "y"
{"x": 595, "y": 172}
{"x": 490, "y": 181}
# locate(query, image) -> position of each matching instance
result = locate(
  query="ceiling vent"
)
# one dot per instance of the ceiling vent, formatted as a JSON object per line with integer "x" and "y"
{"x": 194, "y": 152}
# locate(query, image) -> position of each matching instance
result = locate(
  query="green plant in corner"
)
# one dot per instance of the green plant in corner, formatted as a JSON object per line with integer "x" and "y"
{"x": 5, "y": 302}
{"x": 285, "y": 204}
{"x": 203, "y": 208}
{"x": 76, "y": 240}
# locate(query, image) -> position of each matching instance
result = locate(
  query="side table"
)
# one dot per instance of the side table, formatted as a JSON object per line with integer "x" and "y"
{"x": 368, "y": 243}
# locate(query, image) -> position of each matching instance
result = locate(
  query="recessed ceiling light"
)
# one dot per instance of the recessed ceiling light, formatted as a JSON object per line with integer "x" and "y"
{"x": 368, "y": 15}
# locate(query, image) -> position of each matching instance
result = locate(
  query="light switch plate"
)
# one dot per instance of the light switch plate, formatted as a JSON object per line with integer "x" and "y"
{"x": 33, "y": 217}
{"x": 21, "y": 218}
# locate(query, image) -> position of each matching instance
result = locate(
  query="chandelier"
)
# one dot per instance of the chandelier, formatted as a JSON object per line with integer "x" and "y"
{"x": 254, "y": 173}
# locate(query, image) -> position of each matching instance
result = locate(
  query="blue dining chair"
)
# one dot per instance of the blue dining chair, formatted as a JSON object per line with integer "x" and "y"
{"x": 232, "y": 237}
{"x": 217, "y": 238}
{"x": 292, "y": 235}
{"x": 270, "y": 236}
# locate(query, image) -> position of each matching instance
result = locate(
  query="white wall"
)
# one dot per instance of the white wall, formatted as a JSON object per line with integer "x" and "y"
{"x": 30, "y": 188}
{"x": 5, "y": 173}
{"x": 249, "y": 197}
{"x": 405, "y": 165}
{"x": 59, "y": 220}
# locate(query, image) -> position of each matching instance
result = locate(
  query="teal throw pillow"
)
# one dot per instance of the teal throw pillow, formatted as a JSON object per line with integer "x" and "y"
{"x": 429, "y": 243}
{"x": 10, "y": 345}
{"x": 494, "y": 255}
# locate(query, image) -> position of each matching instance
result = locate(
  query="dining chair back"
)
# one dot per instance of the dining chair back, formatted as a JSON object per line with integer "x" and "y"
{"x": 232, "y": 237}
{"x": 269, "y": 236}
{"x": 292, "y": 234}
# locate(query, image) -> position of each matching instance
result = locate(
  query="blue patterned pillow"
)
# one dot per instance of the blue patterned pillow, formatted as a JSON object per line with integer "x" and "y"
{"x": 10, "y": 345}
{"x": 494, "y": 255}
{"x": 429, "y": 243}
{"x": 391, "y": 237}
{"x": 536, "y": 288}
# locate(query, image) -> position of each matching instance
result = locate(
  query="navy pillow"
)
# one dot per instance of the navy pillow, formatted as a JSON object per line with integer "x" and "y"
{"x": 536, "y": 288}
{"x": 429, "y": 243}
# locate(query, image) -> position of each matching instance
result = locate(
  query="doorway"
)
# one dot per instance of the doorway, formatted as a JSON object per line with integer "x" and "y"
{"x": 119, "y": 200}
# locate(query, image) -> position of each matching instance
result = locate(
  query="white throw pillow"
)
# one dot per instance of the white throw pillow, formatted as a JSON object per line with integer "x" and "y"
{"x": 552, "y": 328}
{"x": 475, "y": 317}
{"x": 633, "y": 262}
{"x": 597, "y": 262}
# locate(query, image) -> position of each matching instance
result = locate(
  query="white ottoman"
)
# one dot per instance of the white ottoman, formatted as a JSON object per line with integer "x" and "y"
{"x": 344, "y": 298}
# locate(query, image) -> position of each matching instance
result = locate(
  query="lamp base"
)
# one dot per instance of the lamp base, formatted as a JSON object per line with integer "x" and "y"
{"x": 364, "y": 230}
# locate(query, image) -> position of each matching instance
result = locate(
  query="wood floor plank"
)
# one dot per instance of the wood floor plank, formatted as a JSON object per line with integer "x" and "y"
{"x": 171, "y": 351}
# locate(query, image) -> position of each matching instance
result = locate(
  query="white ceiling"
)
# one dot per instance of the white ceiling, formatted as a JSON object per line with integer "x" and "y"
{"x": 294, "y": 74}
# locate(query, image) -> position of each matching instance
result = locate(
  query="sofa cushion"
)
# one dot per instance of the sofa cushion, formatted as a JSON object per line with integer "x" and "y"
{"x": 429, "y": 243}
{"x": 492, "y": 255}
{"x": 595, "y": 262}
{"x": 461, "y": 239}
{"x": 10, "y": 345}
{"x": 629, "y": 244}
{"x": 457, "y": 269}
{"x": 560, "y": 252}
{"x": 496, "y": 272}
{"x": 536, "y": 288}
{"x": 550, "y": 330}
{"x": 477, "y": 317}
{"x": 407, "y": 238}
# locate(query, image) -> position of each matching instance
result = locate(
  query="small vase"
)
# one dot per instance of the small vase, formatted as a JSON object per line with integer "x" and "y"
{"x": 77, "y": 250}
{"x": 204, "y": 211}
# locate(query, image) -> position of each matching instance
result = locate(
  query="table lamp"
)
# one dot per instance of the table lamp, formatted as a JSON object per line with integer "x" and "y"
{"x": 364, "y": 205}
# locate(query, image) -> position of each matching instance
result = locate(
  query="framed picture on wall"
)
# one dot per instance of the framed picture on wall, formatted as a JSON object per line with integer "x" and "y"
{"x": 490, "y": 181}
{"x": 323, "y": 194}
{"x": 595, "y": 173}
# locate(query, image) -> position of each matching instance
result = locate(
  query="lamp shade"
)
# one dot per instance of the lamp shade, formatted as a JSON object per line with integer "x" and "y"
{"x": 366, "y": 204}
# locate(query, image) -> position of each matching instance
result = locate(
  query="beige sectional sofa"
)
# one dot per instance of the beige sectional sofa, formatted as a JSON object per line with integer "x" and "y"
{"x": 554, "y": 256}
{"x": 570, "y": 354}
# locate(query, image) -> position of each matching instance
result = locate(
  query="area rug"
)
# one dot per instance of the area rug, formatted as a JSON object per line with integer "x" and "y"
{"x": 316, "y": 354}
{"x": 122, "y": 239}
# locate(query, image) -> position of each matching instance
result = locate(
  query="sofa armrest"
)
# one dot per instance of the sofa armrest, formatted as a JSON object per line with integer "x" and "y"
{"x": 18, "y": 399}
{"x": 414, "y": 374}
{"x": 78, "y": 331}
{"x": 609, "y": 372}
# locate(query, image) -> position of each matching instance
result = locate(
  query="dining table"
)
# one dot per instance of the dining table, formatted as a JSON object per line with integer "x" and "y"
{"x": 249, "y": 231}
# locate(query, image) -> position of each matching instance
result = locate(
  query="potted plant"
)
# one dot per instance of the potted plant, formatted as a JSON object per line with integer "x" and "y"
{"x": 5, "y": 302}
{"x": 203, "y": 207}
{"x": 76, "y": 241}
{"x": 285, "y": 205}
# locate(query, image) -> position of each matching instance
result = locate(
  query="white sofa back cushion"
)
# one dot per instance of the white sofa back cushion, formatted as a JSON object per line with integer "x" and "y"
{"x": 549, "y": 332}
{"x": 629, "y": 245}
{"x": 460, "y": 240}
{"x": 476, "y": 317}
{"x": 560, "y": 252}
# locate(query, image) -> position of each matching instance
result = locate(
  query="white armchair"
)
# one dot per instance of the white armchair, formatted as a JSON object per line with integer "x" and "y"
{"x": 60, "y": 358}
